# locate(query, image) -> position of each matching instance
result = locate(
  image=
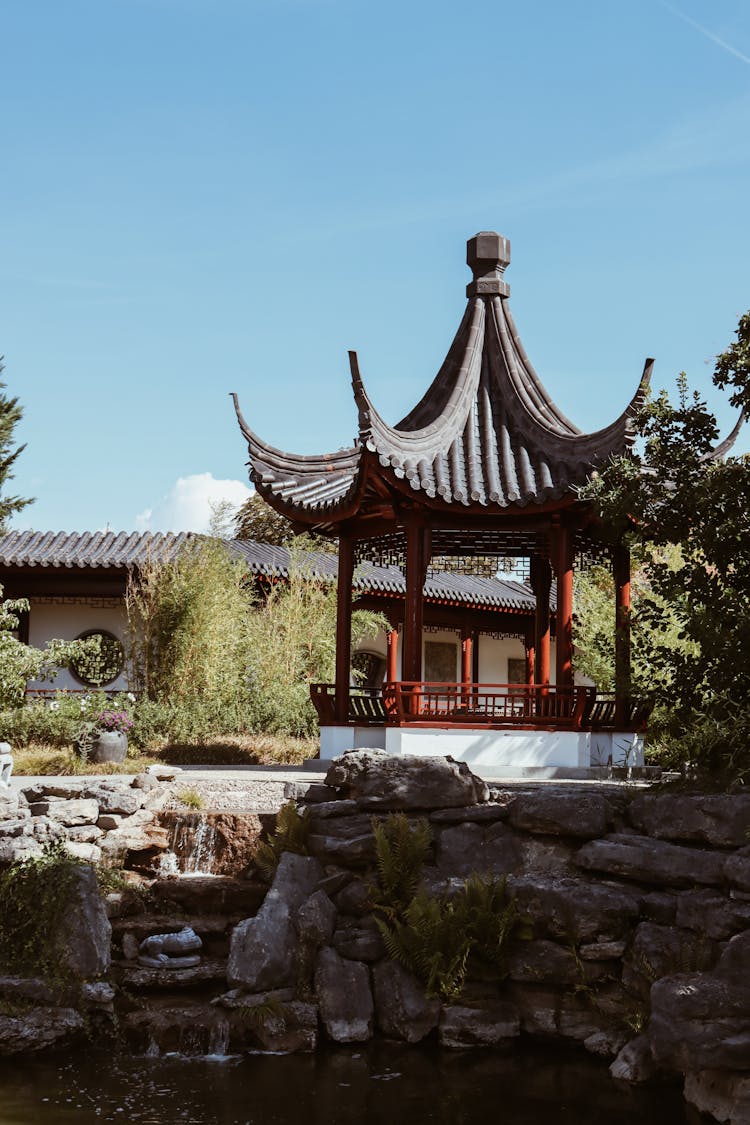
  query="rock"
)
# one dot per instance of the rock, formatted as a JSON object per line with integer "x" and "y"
{"x": 378, "y": 780}
{"x": 163, "y": 772}
{"x": 145, "y": 781}
{"x": 355, "y": 847}
{"x": 84, "y": 834}
{"x": 542, "y": 962}
{"x": 403, "y": 1011}
{"x": 360, "y": 943}
{"x": 210, "y": 894}
{"x": 336, "y": 881}
{"x": 659, "y": 906}
{"x": 712, "y": 818}
{"x": 219, "y": 843}
{"x": 659, "y": 951}
{"x": 117, "y": 799}
{"x": 606, "y": 1044}
{"x": 471, "y": 814}
{"x": 734, "y": 963}
{"x": 67, "y": 812}
{"x": 86, "y": 930}
{"x": 135, "y": 834}
{"x": 547, "y": 1013}
{"x": 602, "y": 951}
{"x": 487, "y": 1026}
{"x": 17, "y": 849}
{"x": 172, "y": 964}
{"x": 316, "y": 919}
{"x": 724, "y": 1095}
{"x": 130, "y": 946}
{"x": 700, "y": 1021}
{"x": 37, "y": 1029}
{"x": 737, "y": 869}
{"x": 651, "y": 861}
{"x": 8, "y": 803}
{"x": 14, "y": 827}
{"x": 470, "y": 848}
{"x": 545, "y": 855}
{"x": 64, "y": 788}
{"x": 46, "y": 830}
{"x": 344, "y": 998}
{"x": 263, "y": 949}
{"x": 87, "y": 853}
{"x": 312, "y": 793}
{"x": 354, "y": 899}
{"x": 141, "y": 978}
{"x": 98, "y": 994}
{"x": 291, "y": 1028}
{"x": 635, "y": 1063}
{"x": 109, "y": 821}
{"x": 562, "y": 814}
{"x": 713, "y": 914}
{"x": 239, "y": 1000}
{"x": 574, "y": 910}
{"x": 327, "y": 810}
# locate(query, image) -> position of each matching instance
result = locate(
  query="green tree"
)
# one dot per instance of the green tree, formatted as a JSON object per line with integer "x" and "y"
{"x": 10, "y": 416}
{"x": 259, "y": 521}
{"x": 687, "y": 511}
{"x": 20, "y": 662}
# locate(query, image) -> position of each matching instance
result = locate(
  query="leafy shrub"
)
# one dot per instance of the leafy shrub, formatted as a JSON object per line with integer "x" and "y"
{"x": 57, "y": 722}
{"x": 34, "y": 899}
{"x": 290, "y": 835}
{"x": 402, "y": 847}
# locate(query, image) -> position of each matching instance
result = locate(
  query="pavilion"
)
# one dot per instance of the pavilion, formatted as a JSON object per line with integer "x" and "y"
{"x": 484, "y": 465}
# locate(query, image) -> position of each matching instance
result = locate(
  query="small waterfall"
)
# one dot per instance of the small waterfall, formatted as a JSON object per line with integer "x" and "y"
{"x": 152, "y": 1051}
{"x": 193, "y": 840}
{"x": 218, "y": 1043}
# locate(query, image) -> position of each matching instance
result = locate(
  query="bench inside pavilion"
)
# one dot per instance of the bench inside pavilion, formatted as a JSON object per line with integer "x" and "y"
{"x": 484, "y": 465}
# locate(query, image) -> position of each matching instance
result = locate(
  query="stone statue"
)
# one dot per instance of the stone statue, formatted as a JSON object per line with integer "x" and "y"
{"x": 6, "y": 765}
{"x": 171, "y": 951}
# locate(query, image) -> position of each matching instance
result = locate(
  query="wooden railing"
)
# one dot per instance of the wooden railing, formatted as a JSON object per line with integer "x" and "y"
{"x": 515, "y": 706}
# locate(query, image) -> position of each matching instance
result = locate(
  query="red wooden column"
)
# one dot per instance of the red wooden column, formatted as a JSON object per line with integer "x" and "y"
{"x": 530, "y": 647}
{"x": 564, "y": 567}
{"x": 391, "y": 660}
{"x": 621, "y": 571}
{"x": 541, "y": 580}
{"x": 344, "y": 628}
{"x": 416, "y": 569}
{"x": 467, "y": 664}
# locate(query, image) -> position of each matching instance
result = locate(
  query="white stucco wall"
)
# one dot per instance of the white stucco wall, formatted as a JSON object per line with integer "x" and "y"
{"x": 66, "y": 620}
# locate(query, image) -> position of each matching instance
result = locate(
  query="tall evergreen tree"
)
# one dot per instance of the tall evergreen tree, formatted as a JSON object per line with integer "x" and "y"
{"x": 10, "y": 415}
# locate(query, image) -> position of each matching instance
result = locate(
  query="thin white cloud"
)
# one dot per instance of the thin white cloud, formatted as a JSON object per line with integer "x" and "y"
{"x": 706, "y": 33}
{"x": 190, "y": 503}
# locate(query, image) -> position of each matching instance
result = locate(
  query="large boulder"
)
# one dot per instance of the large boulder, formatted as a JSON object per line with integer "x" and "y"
{"x": 467, "y": 848}
{"x": 652, "y": 861}
{"x": 38, "y": 1028}
{"x": 486, "y": 1025}
{"x": 86, "y": 931}
{"x": 572, "y": 909}
{"x": 263, "y": 951}
{"x": 379, "y": 780}
{"x": 712, "y": 818}
{"x": 344, "y": 998}
{"x": 660, "y": 951}
{"x": 582, "y": 815}
{"x": 403, "y": 1010}
{"x": 701, "y": 1021}
{"x": 723, "y": 1094}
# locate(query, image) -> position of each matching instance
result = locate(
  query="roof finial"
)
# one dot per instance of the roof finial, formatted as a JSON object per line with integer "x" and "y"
{"x": 487, "y": 254}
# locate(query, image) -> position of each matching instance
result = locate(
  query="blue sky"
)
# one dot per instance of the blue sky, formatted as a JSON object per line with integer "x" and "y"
{"x": 203, "y": 196}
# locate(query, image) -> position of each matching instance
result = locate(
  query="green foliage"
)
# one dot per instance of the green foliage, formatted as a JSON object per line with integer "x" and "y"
{"x": 293, "y": 644}
{"x": 20, "y": 663}
{"x": 688, "y": 513}
{"x": 10, "y": 415}
{"x": 440, "y": 939}
{"x": 58, "y": 722}
{"x": 259, "y": 521}
{"x": 189, "y": 641}
{"x": 402, "y": 847}
{"x": 290, "y": 835}
{"x": 35, "y": 897}
{"x": 190, "y": 798}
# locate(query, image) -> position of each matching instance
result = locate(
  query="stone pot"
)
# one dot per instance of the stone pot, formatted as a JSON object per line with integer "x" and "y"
{"x": 110, "y": 746}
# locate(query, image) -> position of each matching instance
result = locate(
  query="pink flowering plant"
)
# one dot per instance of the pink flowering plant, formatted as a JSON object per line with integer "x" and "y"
{"x": 114, "y": 720}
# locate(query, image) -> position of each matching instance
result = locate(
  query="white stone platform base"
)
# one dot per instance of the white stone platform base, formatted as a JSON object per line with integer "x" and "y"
{"x": 511, "y": 752}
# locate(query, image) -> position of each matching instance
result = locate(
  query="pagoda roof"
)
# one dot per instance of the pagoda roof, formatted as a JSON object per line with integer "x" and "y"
{"x": 485, "y": 436}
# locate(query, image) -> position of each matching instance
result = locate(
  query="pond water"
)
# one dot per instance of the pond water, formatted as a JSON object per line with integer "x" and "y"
{"x": 382, "y": 1085}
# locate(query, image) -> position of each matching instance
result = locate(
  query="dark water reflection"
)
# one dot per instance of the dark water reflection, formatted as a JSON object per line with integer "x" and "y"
{"x": 384, "y": 1085}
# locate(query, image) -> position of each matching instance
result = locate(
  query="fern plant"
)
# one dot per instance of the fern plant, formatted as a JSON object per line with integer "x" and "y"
{"x": 290, "y": 835}
{"x": 401, "y": 848}
{"x": 431, "y": 942}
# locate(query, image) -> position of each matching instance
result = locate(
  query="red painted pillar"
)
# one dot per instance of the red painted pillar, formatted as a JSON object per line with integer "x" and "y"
{"x": 416, "y": 569}
{"x": 344, "y": 628}
{"x": 564, "y": 553}
{"x": 621, "y": 570}
{"x": 467, "y": 665}
{"x": 541, "y": 581}
{"x": 391, "y": 663}
{"x": 530, "y": 646}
